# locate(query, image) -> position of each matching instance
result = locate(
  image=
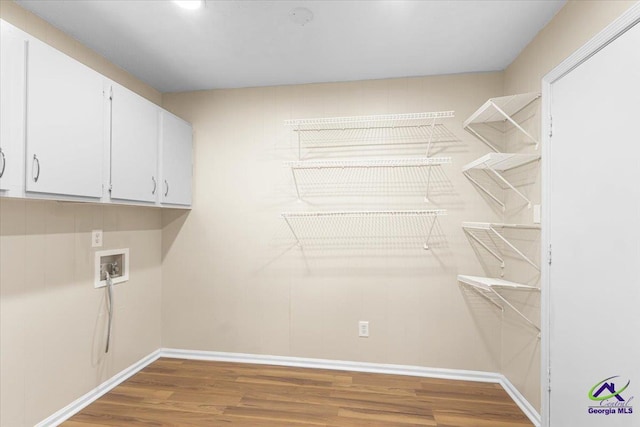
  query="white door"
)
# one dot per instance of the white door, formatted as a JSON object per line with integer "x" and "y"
{"x": 594, "y": 229}
{"x": 12, "y": 95}
{"x": 177, "y": 160}
{"x": 64, "y": 124}
{"x": 134, "y": 146}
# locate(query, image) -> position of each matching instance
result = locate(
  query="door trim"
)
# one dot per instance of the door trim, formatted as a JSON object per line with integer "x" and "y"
{"x": 623, "y": 23}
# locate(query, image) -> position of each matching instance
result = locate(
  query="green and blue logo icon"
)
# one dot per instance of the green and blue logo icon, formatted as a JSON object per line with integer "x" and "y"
{"x": 607, "y": 397}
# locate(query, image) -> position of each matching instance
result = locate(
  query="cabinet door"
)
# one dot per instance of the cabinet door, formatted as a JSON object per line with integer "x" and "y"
{"x": 177, "y": 160}
{"x": 134, "y": 146}
{"x": 64, "y": 124}
{"x": 12, "y": 95}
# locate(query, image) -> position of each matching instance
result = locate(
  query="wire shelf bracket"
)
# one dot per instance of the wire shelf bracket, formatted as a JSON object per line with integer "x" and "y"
{"x": 427, "y": 121}
{"x": 497, "y": 163}
{"x": 488, "y": 287}
{"x": 291, "y": 217}
{"x": 418, "y": 162}
{"x": 501, "y": 109}
{"x": 483, "y": 232}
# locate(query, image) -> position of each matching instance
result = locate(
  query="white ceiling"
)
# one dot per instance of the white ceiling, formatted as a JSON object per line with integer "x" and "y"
{"x": 245, "y": 43}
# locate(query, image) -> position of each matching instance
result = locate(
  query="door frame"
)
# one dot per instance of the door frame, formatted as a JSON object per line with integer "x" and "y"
{"x": 627, "y": 20}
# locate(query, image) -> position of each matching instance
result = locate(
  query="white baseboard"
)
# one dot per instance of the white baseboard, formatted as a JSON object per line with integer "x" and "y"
{"x": 300, "y": 362}
{"x": 377, "y": 368}
{"x": 339, "y": 365}
{"x": 82, "y": 402}
{"x": 519, "y": 399}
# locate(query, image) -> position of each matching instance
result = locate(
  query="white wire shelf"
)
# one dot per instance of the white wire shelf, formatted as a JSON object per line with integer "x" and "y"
{"x": 496, "y": 163}
{"x": 368, "y": 122}
{"x": 488, "y": 288}
{"x": 369, "y": 163}
{"x": 495, "y": 109}
{"x": 353, "y": 226}
{"x": 341, "y": 172}
{"x": 487, "y": 236}
{"x": 501, "y": 161}
{"x": 365, "y": 214}
{"x": 386, "y": 129}
{"x": 487, "y": 283}
{"x": 501, "y": 109}
{"x": 494, "y": 225}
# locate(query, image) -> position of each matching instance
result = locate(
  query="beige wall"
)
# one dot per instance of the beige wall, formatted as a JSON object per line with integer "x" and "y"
{"x": 242, "y": 294}
{"x": 233, "y": 281}
{"x": 576, "y": 23}
{"x": 572, "y": 27}
{"x": 52, "y": 320}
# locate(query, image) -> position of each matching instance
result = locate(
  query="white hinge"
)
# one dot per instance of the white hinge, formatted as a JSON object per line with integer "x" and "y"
{"x": 549, "y": 379}
{"x": 550, "y": 126}
{"x": 549, "y": 254}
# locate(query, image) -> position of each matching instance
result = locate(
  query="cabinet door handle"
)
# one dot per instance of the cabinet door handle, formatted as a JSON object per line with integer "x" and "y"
{"x": 155, "y": 185}
{"x": 167, "y": 186}
{"x": 4, "y": 162}
{"x": 35, "y": 162}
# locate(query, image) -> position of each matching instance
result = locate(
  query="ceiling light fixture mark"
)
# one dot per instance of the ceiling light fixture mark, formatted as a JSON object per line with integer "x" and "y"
{"x": 189, "y": 4}
{"x": 301, "y": 16}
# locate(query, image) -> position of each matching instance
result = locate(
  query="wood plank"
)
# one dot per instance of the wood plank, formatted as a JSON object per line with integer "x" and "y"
{"x": 393, "y": 418}
{"x": 459, "y": 418}
{"x": 190, "y": 393}
{"x": 104, "y": 413}
{"x": 352, "y": 399}
{"x": 276, "y": 415}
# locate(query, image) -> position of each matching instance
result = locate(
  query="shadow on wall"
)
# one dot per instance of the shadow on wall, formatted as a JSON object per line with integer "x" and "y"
{"x": 496, "y": 193}
{"x": 495, "y": 255}
{"x": 321, "y": 181}
{"x": 487, "y": 318}
{"x": 392, "y": 183}
{"x": 20, "y": 217}
{"x": 332, "y": 143}
{"x": 356, "y": 243}
{"x": 499, "y": 252}
{"x": 172, "y": 222}
{"x": 363, "y": 201}
{"x": 502, "y": 136}
{"x": 505, "y": 334}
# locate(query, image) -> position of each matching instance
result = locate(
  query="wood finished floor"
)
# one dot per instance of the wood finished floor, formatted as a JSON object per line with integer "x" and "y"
{"x": 175, "y": 392}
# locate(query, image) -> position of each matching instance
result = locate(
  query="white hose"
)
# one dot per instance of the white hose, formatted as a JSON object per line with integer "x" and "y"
{"x": 110, "y": 307}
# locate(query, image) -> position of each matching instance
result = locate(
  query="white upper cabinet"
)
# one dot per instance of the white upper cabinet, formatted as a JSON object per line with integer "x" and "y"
{"x": 69, "y": 133}
{"x": 12, "y": 96}
{"x": 135, "y": 124}
{"x": 65, "y": 124}
{"x": 177, "y": 160}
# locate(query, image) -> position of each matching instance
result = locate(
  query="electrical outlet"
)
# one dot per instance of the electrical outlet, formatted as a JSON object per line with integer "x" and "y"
{"x": 536, "y": 214}
{"x": 96, "y": 238}
{"x": 363, "y": 329}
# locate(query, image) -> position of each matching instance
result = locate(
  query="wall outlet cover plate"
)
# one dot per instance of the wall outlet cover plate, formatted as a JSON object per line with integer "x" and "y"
{"x": 363, "y": 329}
{"x": 96, "y": 238}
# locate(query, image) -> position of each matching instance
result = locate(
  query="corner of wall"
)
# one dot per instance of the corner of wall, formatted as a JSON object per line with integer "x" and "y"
{"x": 16, "y": 15}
